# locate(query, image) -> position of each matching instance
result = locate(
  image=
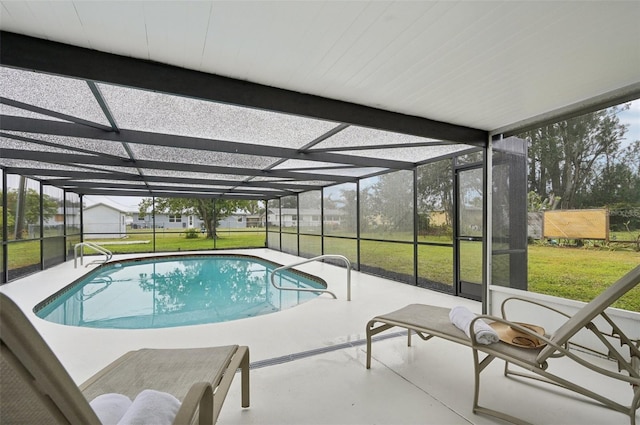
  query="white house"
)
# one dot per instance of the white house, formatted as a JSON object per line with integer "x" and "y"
{"x": 102, "y": 221}
{"x": 166, "y": 221}
{"x": 306, "y": 218}
{"x": 238, "y": 220}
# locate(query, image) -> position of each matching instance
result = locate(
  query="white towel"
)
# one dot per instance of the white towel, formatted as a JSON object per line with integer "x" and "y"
{"x": 461, "y": 317}
{"x": 110, "y": 407}
{"x": 151, "y": 407}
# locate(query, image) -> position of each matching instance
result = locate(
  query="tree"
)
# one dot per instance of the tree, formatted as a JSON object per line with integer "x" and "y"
{"x": 207, "y": 285}
{"x": 392, "y": 201}
{"x": 255, "y": 208}
{"x": 349, "y": 205}
{"x": 289, "y": 201}
{"x": 23, "y": 209}
{"x": 435, "y": 189}
{"x": 616, "y": 180}
{"x": 210, "y": 211}
{"x": 563, "y": 155}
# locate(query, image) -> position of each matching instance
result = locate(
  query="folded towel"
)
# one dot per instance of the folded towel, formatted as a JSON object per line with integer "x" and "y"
{"x": 461, "y": 317}
{"x": 151, "y": 407}
{"x": 110, "y": 408}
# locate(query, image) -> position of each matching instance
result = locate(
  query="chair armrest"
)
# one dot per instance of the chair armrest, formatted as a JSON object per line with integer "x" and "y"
{"x": 528, "y": 301}
{"x": 199, "y": 398}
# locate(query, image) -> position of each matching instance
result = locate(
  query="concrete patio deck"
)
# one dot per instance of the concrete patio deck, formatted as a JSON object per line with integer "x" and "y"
{"x": 309, "y": 361}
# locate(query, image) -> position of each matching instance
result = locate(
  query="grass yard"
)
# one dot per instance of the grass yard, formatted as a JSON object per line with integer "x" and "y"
{"x": 574, "y": 273}
{"x": 177, "y": 241}
{"x": 581, "y": 274}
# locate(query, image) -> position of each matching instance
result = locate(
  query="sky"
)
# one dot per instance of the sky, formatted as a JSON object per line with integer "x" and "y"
{"x": 127, "y": 203}
{"x": 631, "y": 117}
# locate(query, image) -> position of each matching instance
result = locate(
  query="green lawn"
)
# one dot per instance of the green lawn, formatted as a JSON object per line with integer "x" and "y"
{"x": 581, "y": 274}
{"x": 173, "y": 240}
{"x": 574, "y": 273}
{"x": 23, "y": 253}
{"x": 628, "y": 236}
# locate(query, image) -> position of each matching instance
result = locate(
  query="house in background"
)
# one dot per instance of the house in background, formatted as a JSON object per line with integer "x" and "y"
{"x": 242, "y": 220}
{"x": 54, "y": 225}
{"x": 306, "y": 218}
{"x": 166, "y": 221}
{"x": 238, "y": 220}
{"x": 256, "y": 220}
{"x": 104, "y": 221}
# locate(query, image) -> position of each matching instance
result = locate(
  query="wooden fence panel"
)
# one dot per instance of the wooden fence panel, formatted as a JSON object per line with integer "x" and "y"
{"x": 576, "y": 224}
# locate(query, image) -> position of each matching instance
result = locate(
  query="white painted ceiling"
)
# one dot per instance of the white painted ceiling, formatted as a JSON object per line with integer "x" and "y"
{"x": 481, "y": 64}
{"x": 484, "y": 65}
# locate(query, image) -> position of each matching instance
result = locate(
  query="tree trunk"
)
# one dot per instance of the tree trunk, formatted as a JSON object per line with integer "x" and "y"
{"x": 21, "y": 207}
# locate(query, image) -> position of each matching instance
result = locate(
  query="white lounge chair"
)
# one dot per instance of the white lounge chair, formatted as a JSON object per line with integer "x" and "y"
{"x": 429, "y": 321}
{"x": 36, "y": 389}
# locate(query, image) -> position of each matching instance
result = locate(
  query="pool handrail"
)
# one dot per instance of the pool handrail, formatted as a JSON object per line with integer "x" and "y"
{"x": 102, "y": 250}
{"x": 107, "y": 280}
{"x": 320, "y": 257}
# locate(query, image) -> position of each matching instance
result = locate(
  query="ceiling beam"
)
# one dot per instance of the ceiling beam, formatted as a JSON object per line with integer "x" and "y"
{"x": 70, "y": 185}
{"x": 624, "y": 94}
{"x": 57, "y": 128}
{"x": 385, "y": 146}
{"x": 39, "y": 142}
{"x": 73, "y": 159}
{"x": 29, "y": 53}
{"x": 50, "y": 113}
{"x": 147, "y": 193}
{"x": 73, "y": 176}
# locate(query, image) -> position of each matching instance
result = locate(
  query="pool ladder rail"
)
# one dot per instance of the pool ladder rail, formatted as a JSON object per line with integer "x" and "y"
{"x": 320, "y": 257}
{"x": 108, "y": 255}
{"x": 107, "y": 281}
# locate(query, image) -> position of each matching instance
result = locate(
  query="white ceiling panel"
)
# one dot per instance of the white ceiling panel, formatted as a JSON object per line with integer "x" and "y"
{"x": 480, "y": 64}
{"x": 185, "y": 47}
{"x": 114, "y": 27}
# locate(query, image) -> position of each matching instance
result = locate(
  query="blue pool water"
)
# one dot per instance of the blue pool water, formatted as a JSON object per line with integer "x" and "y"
{"x": 175, "y": 291}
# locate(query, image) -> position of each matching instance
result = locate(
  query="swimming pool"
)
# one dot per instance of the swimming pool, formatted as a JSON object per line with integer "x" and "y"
{"x": 170, "y": 291}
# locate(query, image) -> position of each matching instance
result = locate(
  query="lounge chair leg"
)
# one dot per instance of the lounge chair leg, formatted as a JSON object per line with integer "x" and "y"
{"x": 477, "y": 409}
{"x": 634, "y": 405}
{"x": 476, "y": 390}
{"x": 206, "y": 409}
{"x": 408, "y": 337}
{"x": 371, "y": 331}
{"x": 244, "y": 371}
{"x": 368, "y": 349}
{"x": 478, "y": 367}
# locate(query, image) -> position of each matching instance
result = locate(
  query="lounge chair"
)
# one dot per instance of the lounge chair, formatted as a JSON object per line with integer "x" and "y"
{"x": 36, "y": 389}
{"x": 429, "y": 321}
